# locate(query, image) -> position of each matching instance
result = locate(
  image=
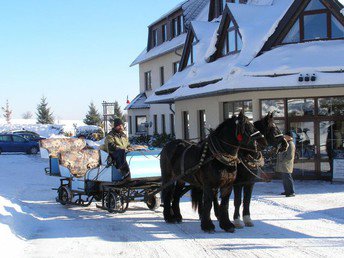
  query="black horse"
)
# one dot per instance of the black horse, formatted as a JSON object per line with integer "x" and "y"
{"x": 247, "y": 170}
{"x": 209, "y": 165}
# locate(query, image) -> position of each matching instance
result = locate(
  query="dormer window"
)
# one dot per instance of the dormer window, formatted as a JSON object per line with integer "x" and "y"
{"x": 192, "y": 53}
{"x": 232, "y": 40}
{"x": 155, "y": 38}
{"x": 164, "y": 32}
{"x": 316, "y": 22}
{"x": 177, "y": 26}
{"x": 189, "y": 51}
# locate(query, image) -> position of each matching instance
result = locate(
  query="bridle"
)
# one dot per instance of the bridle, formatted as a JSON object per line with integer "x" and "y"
{"x": 223, "y": 156}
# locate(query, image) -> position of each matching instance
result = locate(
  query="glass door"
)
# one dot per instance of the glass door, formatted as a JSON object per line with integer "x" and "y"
{"x": 331, "y": 135}
{"x": 304, "y": 140}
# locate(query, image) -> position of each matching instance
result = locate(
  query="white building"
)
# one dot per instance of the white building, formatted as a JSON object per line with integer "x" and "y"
{"x": 157, "y": 63}
{"x": 260, "y": 56}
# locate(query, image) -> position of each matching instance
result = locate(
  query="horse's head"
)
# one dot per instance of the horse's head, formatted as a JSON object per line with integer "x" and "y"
{"x": 239, "y": 131}
{"x": 271, "y": 132}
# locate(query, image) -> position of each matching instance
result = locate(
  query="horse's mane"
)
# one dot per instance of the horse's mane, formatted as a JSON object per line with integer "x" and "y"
{"x": 223, "y": 125}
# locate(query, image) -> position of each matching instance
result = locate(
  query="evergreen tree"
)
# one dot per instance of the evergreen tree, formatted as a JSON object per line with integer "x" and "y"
{"x": 118, "y": 112}
{"x": 93, "y": 117}
{"x": 44, "y": 116}
{"x": 7, "y": 112}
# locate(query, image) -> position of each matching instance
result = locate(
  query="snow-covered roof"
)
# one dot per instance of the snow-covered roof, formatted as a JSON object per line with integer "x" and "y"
{"x": 279, "y": 67}
{"x": 192, "y": 10}
{"x": 204, "y": 32}
{"x": 162, "y": 49}
{"x": 138, "y": 102}
{"x": 256, "y": 24}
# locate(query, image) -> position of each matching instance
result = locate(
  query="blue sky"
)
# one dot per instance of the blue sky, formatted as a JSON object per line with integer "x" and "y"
{"x": 72, "y": 51}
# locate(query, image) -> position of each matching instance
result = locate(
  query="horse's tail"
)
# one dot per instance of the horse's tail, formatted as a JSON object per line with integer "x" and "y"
{"x": 196, "y": 197}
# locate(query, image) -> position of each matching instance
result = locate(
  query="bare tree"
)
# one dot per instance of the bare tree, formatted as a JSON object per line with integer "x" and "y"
{"x": 27, "y": 115}
{"x": 7, "y": 112}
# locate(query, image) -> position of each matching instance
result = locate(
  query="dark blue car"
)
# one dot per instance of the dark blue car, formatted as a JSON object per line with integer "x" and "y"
{"x": 16, "y": 143}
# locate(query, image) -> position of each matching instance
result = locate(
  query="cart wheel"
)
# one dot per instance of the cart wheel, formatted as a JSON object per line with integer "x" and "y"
{"x": 115, "y": 203}
{"x": 64, "y": 195}
{"x": 153, "y": 202}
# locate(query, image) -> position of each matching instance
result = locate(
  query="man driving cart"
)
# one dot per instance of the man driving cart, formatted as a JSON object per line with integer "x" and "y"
{"x": 117, "y": 145}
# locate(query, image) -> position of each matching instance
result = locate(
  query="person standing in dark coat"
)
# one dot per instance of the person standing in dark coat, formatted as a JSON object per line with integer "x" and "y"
{"x": 285, "y": 165}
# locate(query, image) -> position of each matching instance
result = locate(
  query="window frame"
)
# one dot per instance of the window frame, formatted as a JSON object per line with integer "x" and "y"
{"x": 154, "y": 38}
{"x": 172, "y": 130}
{"x": 148, "y": 80}
{"x": 136, "y": 124}
{"x": 186, "y": 125}
{"x": 155, "y": 121}
{"x": 162, "y": 75}
{"x": 176, "y": 67}
{"x": 301, "y": 31}
{"x": 226, "y": 45}
{"x": 163, "y": 124}
{"x": 164, "y": 34}
{"x": 202, "y": 124}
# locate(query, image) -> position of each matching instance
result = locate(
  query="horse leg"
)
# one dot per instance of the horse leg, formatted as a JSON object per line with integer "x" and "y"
{"x": 176, "y": 198}
{"x": 224, "y": 220}
{"x": 247, "y": 200}
{"x": 167, "y": 198}
{"x": 208, "y": 197}
{"x": 216, "y": 205}
{"x": 237, "y": 203}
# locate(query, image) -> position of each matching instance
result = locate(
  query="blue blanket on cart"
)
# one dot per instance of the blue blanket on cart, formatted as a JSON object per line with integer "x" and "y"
{"x": 145, "y": 163}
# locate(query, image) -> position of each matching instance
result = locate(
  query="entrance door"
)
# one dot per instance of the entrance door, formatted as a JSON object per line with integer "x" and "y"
{"x": 304, "y": 139}
{"x": 331, "y": 135}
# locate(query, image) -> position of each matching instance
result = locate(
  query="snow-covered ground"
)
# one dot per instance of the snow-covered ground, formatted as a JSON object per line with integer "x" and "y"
{"x": 32, "y": 224}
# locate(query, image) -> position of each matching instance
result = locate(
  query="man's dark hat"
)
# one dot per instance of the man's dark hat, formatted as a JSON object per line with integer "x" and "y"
{"x": 116, "y": 122}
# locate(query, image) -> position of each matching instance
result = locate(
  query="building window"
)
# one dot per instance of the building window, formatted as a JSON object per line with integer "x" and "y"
{"x": 317, "y": 127}
{"x": 186, "y": 125}
{"x": 163, "y": 124}
{"x": 315, "y": 23}
{"x": 130, "y": 124}
{"x": 162, "y": 76}
{"x": 177, "y": 26}
{"x": 273, "y": 105}
{"x": 234, "y": 108}
{"x": 164, "y": 32}
{"x": 300, "y": 107}
{"x": 155, "y": 124}
{"x": 202, "y": 124}
{"x": 181, "y": 21}
{"x": 331, "y": 106}
{"x": 154, "y": 38}
{"x": 232, "y": 41}
{"x": 148, "y": 80}
{"x": 172, "y": 124}
{"x": 175, "y": 67}
{"x": 141, "y": 122}
{"x": 192, "y": 53}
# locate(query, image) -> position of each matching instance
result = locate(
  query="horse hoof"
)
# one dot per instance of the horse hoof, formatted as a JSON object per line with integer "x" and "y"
{"x": 238, "y": 223}
{"x": 209, "y": 231}
{"x": 179, "y": 219}
{"x": 230, "y": 230}
{"x": 248, "y": 222}
{"x": 208, "y": 228}
{"x": 170, "y": 221}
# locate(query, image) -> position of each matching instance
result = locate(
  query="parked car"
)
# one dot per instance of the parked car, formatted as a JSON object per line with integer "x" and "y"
{"x": 17, "y": 143}
{"x": 31, "y": 136}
